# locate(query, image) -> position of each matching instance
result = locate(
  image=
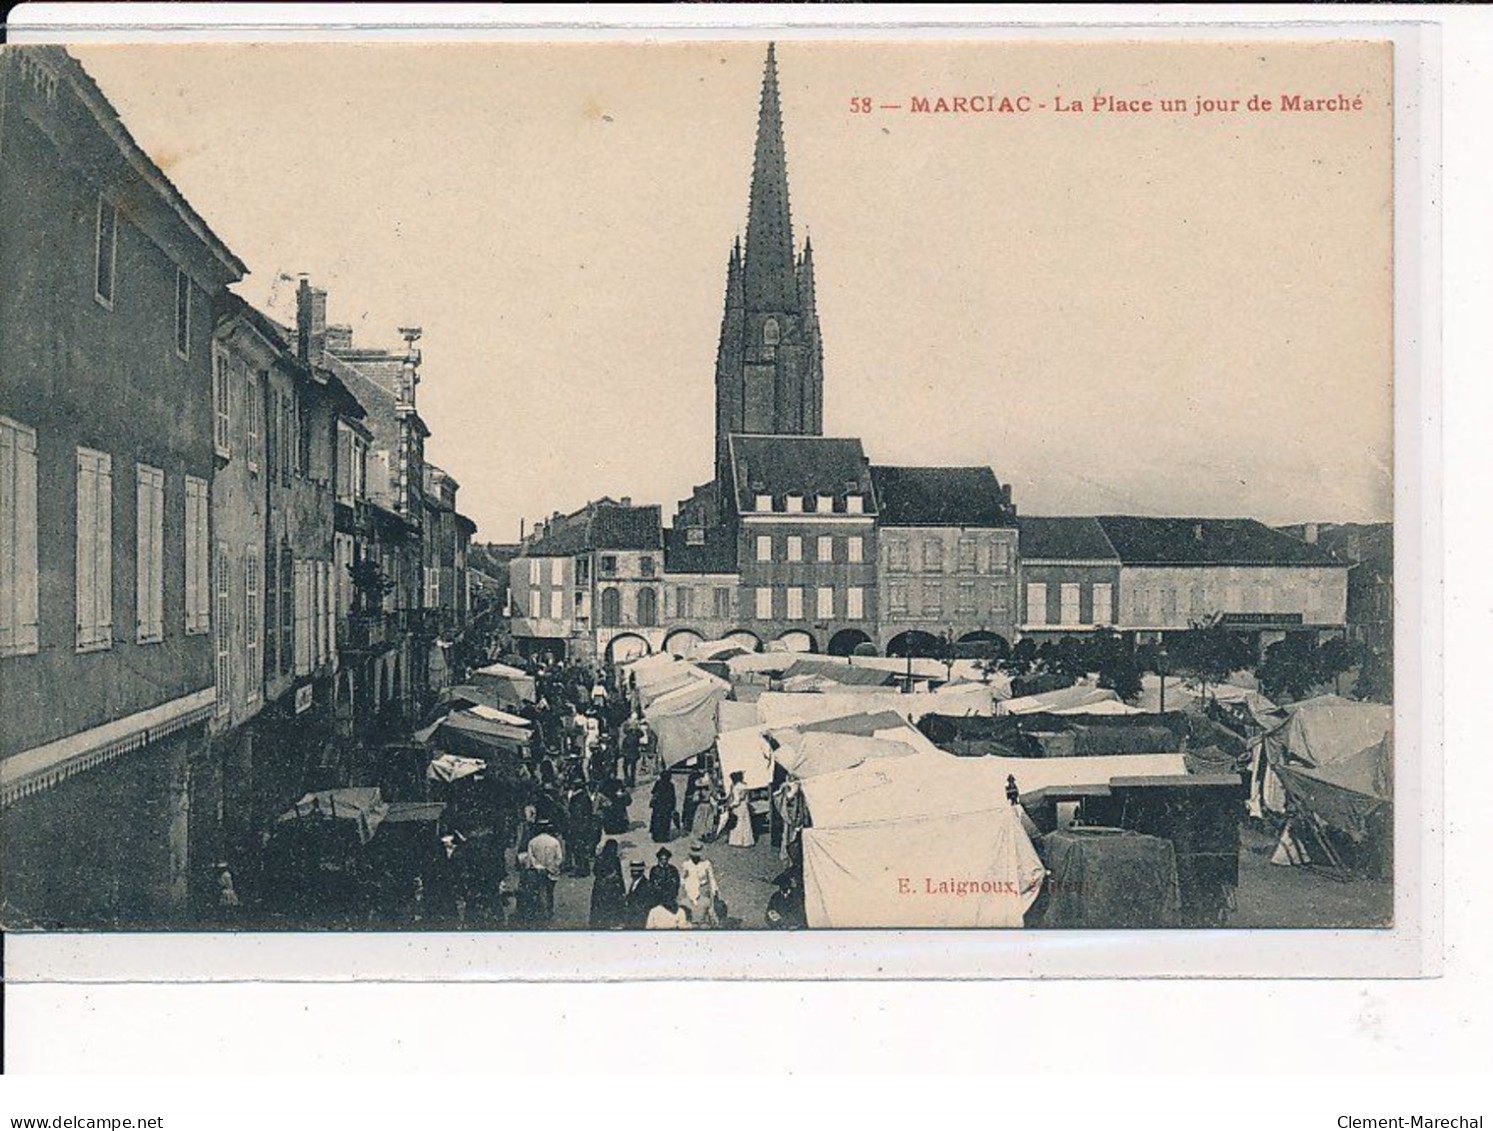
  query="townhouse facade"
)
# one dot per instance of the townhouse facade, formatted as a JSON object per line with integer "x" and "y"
{"x": 590, "y": 585}
{"x": 107, "y": 650}
{"x": 947, "y": 563}
{"x": 1069, "y": 577}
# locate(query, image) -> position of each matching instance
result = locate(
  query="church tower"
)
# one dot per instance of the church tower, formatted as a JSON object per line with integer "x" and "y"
{"x": 768, "y": 370}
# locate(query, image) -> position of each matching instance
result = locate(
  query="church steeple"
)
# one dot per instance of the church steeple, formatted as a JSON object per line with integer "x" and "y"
{"x": 769, "y": 275}
{"x": 769, "y": 368}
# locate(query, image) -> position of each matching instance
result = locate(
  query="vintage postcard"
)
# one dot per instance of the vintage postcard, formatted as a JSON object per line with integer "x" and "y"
{"x": 724, "y": 486}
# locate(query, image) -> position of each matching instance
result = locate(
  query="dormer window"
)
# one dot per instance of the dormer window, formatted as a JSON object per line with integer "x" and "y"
{"x": 795, "y": 504}
{"x": 695, "y": 536}
{"x": 825, "y": 504}
{"x": 854, "y": 504}
{"x": 764, "y": 503}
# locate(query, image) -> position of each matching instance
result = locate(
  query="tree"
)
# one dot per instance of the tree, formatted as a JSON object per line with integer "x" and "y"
{"x": 1210, "y": 651}
{"x": 1375, "y": 682}
{"x": 1116, "y": 663}
{"x": 1289, "y": 670}
{"x": 369, "y": 584}
{"x": 1332, "y": 658}
{"x": 1022, "y": 660}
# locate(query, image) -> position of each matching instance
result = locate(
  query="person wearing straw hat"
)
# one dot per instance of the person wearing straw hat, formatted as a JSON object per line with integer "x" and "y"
{"x": 698, "y": 884}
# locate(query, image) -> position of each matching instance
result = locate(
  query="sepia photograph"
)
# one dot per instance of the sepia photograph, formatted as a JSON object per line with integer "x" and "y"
{"x": 698, "y": 485}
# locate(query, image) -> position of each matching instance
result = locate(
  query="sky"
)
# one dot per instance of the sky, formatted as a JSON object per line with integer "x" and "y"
{"x": 1147, "y": 313}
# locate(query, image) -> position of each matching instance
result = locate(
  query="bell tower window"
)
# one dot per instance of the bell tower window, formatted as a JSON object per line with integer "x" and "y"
{"x": 770, "y": 338}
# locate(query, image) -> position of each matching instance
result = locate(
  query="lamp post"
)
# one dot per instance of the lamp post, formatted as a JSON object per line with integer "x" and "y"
{"x": 1161, "y": 666}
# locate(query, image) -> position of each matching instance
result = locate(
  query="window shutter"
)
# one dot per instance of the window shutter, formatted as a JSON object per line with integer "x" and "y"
{"x": 142, "y": 553}
{"x": 24, "y": 567}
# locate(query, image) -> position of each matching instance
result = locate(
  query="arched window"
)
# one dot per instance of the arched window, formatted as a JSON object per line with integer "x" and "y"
{"x": 647, "y": 607}
{"x": 771, "y": 335}
{"x": 611, "y": 608}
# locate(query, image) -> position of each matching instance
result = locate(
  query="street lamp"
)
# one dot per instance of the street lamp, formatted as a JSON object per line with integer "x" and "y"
{"x": 1161, "y": 666}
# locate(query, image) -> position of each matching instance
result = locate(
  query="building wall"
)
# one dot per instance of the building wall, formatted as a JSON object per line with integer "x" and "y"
{"x": 81, "y": 374}
{"x": 1055, "y": 575}
{"x": 808, "y": 575}
{"x": 691, "y": 604}
{"x": 535, "y": 583}
{"x": 1173, "y": 597}
{"x": 239, "y": 525}
{"x": 947, "y": 592}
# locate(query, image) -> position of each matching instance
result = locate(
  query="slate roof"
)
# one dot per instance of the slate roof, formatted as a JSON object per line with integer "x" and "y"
{"x": 940, "y": 496}
{"x": 717, "y": 555}
{"x": 1207, "y": 541}
{"x": 804, "y": 465}
{"x": 1063, "y": 539}
{"x": 600, "y": 526}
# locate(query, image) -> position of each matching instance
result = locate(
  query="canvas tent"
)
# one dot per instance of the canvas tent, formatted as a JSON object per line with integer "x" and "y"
{"x": 363, "y": 807}
{"x": 510, "y": 685}
{"x": 1081, "y": 697}
{"x": 684, "y": 719}
{"x": 451, "y": 767}
{"x": 972, "y": 869}
{"x": 781, "y": 709}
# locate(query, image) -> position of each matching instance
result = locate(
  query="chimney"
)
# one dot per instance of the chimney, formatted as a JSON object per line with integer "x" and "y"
{"x": 339, "y": 338}
{"x": 1310, "y": 533}
{"x": 311, "y": 322}
{"x": 625, "y": 501}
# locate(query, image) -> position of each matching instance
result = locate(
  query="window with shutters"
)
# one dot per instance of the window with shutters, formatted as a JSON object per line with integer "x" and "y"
{"x": 824, "y": 603}
{"x": 105, "y": 244}
{"x": 966, "y": 597}
{"x": 150, "y": 567}
{"x": 933, "y": 555}
{"x": 795, "y": 548}
{"x": 855, "y": 603}
{"x": 1000, "y": 556}
{"x": 18, "y": 562}
{"x": 290, "y": 434}
{"x": 197, "y": 557}
{"x": 611, "y": 607}
{"x": 1036, "y": 603}
{"x": 329, "y": 613}
{"x": 322, "y": 652}
{"x": 897, "y": 555}
{"x": 684, "y": 602}
{"x": 855, "y": 549}
{"x": 557, "y": 571}
{"x": 721, "y": 602}
{"x": 824, "y": 549}
{"x": 183, "y": 314}
{"x": 647, "y": 607}
{"x": 609, "y": 565}
{"x": 1103, "y": 604}
{"x": 1000, "y": 597}
{"x": 897, "y": 598}
{"x": 932, "y": 598}
{"x": 764, "y": 547}
{"x": 222, "y": 617}
{"x": 969, "y": 555}
{"x": 582, "y": 567}
{"x": 222, "y": 418}
{"x": 253, "y": 418}
{"x": 1068, "y": 604}
{"x": 342, "y": 548}
{"x": 764, "y": 603}
{"x": 557, "y": 597}
{"x": 305, "y": 616}
{"x": 94, "y": 556}
{"x": 535, "y": 565}
{"x": 346, "y": 483}
{"x": 253, "y": 625}
{"x": 287, "y": 609}
{"x": 795, "y": 604}
{"x": 272, "y": 435}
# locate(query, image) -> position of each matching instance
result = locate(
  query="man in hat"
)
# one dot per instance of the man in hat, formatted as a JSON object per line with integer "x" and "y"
{"x": 639, "y": 894}
{"x": 664, "y": 878}
{"x": 698, "y": 883}
{"x": 547, "y": 856}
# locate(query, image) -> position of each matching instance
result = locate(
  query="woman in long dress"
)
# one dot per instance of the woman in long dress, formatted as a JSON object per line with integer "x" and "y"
{"x": 663, "y": 804}
{"x": 741, "y": 813}
{"x": 608, "y": 892}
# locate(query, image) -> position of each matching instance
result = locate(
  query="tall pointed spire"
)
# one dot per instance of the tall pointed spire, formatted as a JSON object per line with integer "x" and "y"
{"x": 768, "y": 274}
